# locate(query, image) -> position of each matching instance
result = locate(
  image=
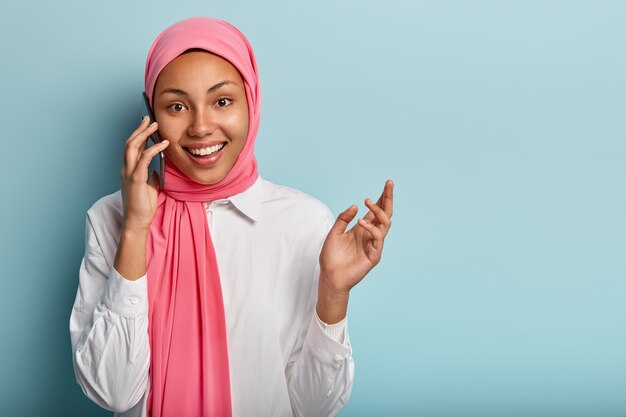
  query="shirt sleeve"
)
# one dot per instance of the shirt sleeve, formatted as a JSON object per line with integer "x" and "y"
{"x": 320, "y": 379}
{"x": 109, "y": 331}
{"x": 334, "y": 331}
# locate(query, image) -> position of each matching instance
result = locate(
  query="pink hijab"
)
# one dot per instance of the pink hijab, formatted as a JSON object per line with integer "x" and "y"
{"x": 189, "y": 370}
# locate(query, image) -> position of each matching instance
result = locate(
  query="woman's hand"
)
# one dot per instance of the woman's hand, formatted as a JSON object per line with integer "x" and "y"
{"x": 347, "y": 256}
{"x": 140, "y": 201}
{"x": 139, "y": 195}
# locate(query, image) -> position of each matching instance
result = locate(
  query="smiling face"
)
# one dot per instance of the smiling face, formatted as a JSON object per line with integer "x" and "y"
{"x": 200, "y": 104}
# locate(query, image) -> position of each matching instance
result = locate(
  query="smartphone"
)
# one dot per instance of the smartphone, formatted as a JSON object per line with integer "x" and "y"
{"x": 156, "y": 138}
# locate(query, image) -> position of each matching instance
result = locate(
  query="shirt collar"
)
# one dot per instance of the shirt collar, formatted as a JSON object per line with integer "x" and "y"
{"x": 248, "y": 202}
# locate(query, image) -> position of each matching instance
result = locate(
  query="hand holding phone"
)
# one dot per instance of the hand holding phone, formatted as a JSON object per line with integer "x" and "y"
{"x": 156, "y": 138}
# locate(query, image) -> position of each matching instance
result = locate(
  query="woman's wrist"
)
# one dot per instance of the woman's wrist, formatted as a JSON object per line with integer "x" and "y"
{"x": 332, "y": 304}
{"x": 130, "y": 260}
{"x": 135, "y": 229}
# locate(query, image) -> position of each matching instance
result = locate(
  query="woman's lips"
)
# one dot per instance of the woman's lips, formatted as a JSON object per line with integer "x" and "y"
{"x": 206, "y": 155}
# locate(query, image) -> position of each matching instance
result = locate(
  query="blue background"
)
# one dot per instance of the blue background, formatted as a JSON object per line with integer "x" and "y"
{"x": 501, "y": 290}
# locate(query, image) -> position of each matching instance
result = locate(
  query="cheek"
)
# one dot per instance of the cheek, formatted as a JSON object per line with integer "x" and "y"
{"x": 234, "y": 123}
{"x": 240, "y": 127}
{"x": 238, "y": 134}
{"x": 244, "y": 126}
{"x": 170, "y": 131}
{"x": 237, "y": 122}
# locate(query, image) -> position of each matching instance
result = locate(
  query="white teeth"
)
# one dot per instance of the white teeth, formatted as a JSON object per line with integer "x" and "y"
{"x": 206, "y": 151}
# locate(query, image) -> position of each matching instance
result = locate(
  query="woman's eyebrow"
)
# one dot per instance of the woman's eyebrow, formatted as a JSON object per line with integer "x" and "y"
{"x": 219, "y": 85}
{"x": 181, "y": 92}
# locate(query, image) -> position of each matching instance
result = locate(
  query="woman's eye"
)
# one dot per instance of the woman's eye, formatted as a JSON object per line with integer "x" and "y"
{"x": 176, "y": 107}
{"x": 223, "y": 102}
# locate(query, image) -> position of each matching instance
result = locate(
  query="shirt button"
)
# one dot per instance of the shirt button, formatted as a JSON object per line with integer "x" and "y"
{"x": 133, "y": 300}
{"x": 338, "y": 358}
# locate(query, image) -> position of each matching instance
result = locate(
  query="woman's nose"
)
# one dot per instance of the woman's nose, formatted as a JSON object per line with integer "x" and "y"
{"x": 201, "y": 124}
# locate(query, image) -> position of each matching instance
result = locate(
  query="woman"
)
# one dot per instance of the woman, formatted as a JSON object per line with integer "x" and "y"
{"x": 221, "y": 293}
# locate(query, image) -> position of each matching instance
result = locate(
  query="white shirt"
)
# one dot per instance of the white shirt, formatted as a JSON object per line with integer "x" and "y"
{"x": 283, "y": 362}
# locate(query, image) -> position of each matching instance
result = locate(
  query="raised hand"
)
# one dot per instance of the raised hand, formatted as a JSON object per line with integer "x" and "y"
{"x": 347, "y": 256}
{"x": 139, "y": 195}
{"x": 140, "y": 201}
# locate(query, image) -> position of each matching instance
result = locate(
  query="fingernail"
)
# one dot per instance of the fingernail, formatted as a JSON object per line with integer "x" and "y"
{"x": 143, "y": 119}
{"x": 153, "y": 124}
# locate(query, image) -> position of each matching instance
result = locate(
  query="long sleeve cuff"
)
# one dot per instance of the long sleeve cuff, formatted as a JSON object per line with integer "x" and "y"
{"x": 125, "y": 297}
{"x": 324, "y": 347}
{"x": 336, "y": 331}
